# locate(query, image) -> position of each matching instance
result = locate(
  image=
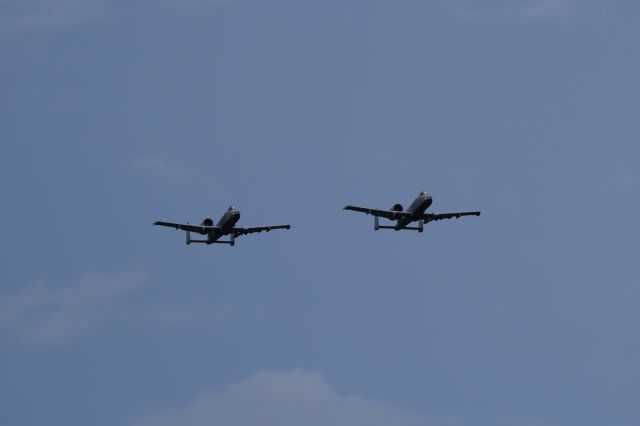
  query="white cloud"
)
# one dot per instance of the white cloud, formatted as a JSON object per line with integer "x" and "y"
{"x": 26, "y": 15}
{"x": 42, "y": 313}
{"x": 171, "y": 170}
{"x": 290, "y": 398}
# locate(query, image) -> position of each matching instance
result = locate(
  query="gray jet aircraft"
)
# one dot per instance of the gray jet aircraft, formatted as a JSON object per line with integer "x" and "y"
{"x": 226, "y": 226}
{"x": 415, "y": 213}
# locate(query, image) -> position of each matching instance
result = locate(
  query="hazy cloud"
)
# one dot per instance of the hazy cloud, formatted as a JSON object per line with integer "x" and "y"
{"x": 32, "y": 15}
{"x": 623, "y": 177}
{"x": 548, "y": 8}
{"x": 465, "y": 9}
{"x": 42, "y": 313}
{"x": 171, "y": 170}
{"x": 290, "y": 398}
{"x": 510, "y": 9}
{"x": 25, "y": 15}
{"x": 184, "y": 4}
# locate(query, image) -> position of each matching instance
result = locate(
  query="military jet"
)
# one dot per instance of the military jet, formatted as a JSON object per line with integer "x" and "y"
{"x": 226, "y": 226}
{"x": 415, "y": 213}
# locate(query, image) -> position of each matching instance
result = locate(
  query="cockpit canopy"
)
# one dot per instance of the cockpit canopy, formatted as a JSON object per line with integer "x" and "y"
{"x": 232, "y": 207}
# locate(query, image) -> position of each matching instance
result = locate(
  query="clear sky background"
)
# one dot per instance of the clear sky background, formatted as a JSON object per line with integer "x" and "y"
{"x": 118, "y": 113}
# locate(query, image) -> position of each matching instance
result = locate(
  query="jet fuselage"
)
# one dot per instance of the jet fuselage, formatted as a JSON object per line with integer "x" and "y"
{"x": 225, "y": 224}
{"x": 416, "y": 210}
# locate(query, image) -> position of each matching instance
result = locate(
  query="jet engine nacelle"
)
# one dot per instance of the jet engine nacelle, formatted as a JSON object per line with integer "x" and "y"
{"x": 397, "y": 208}
{"x": 207, "y": 222}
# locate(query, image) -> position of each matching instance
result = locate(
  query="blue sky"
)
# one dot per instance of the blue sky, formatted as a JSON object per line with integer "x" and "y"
{"x": 116, "y": 114}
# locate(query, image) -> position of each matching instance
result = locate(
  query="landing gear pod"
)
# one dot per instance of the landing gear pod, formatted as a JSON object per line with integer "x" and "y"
{"x": 376, "y": 223}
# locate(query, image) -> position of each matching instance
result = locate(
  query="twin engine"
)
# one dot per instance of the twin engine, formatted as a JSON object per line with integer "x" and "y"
{"x": 207, "y": 222}
{"x": 397, "y": 208}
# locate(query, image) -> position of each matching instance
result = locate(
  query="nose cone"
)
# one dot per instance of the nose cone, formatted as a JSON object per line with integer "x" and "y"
{"x": 427, "y": 200}
{"x": 232, "y": 208}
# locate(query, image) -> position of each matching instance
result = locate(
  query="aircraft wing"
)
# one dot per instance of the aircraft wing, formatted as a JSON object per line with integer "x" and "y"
{"x": 388, "y": 214}
{"x": 428, "y": 217}
{"x": 244, "y": 231}
{"x": 200, "y": 229}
